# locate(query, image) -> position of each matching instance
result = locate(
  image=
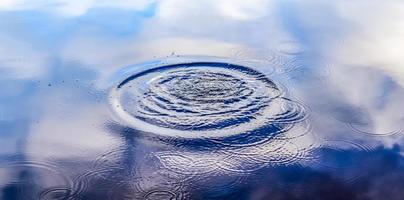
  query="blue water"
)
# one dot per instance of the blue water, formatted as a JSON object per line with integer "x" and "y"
{"x": 240, "y": 100}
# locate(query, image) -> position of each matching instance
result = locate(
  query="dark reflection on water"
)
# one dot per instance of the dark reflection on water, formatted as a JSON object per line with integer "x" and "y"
{"x": 231, "y": 100}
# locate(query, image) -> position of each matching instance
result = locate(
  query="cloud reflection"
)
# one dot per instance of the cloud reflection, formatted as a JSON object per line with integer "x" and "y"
{"x": 341, "y": 59}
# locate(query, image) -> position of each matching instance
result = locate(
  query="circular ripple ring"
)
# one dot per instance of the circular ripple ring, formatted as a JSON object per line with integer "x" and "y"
{"x": 199, "y": 100}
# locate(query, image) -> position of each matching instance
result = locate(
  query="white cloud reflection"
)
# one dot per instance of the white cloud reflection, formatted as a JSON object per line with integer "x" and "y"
{"x": 377, "y": 36}
{"x": 370, "y": 34}
{"x": 72, "y": 7}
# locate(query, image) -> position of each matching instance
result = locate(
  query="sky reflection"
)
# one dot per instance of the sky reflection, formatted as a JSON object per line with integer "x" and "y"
{"x": 340, "y": 60}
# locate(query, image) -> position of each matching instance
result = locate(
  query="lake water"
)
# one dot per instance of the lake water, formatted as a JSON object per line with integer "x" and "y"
{"x": 227, "y": 99}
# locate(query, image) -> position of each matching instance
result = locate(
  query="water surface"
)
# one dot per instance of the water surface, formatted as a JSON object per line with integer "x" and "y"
{"x": 174, "y": 99}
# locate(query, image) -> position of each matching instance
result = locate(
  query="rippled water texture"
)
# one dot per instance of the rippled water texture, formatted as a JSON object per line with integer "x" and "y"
{"x": 204, "y": 100}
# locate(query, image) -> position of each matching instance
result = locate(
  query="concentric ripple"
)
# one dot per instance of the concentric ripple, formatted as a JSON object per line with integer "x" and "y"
{"x": 34, "y": 180}
{"x": 201, "y": 100}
